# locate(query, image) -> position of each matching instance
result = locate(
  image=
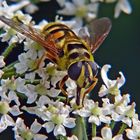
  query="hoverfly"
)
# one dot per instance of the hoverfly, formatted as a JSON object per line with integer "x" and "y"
{"x": 69, "y": 51}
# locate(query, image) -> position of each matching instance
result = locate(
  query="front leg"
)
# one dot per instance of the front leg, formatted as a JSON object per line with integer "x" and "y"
{"x": 61, "y": 86}
{"x": 95, "y": 80}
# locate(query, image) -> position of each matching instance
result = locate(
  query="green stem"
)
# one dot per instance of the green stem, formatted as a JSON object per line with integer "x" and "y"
{"x": 10, "y": 66}
{"x": 35, "y": 82}
{"x": 84, "y": 130}
{"x": 21, "y": 96}
{"x": 112, "y": 124}
{"x": 61, "y": 98}
{"x": 80, "y": 129}
{"x": 8, "y": 50}
{"x": 93, "y": 130}
{"x": 122, "y": 128}
{"x": 8, "y": 74}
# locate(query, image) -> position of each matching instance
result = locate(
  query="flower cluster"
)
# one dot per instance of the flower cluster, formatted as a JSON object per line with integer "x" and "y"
{"x": 30, "y": 87}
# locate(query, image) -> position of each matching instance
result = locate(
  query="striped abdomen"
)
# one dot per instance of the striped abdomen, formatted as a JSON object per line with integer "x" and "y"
{"x": 57, "y": 33}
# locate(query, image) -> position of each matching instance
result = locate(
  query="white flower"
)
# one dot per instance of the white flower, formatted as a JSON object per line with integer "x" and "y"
{"x": 11, "y": 35}
{"x": 5, "y": 121}
{"x": 9, "y": 10}
{"x": 30, "y": 76}
{"x": 56, "y": 115}
{"x": 11, "y": 85}
{"x": 134, "y": 132}
{"x": 25, "y": 62}
{"x": 106, "y": 134}
{"x": 57, "y": 118}
{"x": 94, "y": 112}
{"x": 57, "y": 123}
{"x": 111, "y": 86}
{"x": 31, "y": 93}
{"x": 5, "y": 109}
{"x": 125, "y": 113}
{"x": 120, "y": 110}
{"x": 53, "y": 92}
{"x": 24, "y": 132}
{"x": 43, "y": 100}
{"x": 122, "y": 5}
{"x": 8, "y": 95}
{"x": 80, "y": 9}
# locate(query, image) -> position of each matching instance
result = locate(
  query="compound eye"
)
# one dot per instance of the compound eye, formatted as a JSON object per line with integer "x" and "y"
{"x": 94, "y": 68}
{"x": 74, "y": 70}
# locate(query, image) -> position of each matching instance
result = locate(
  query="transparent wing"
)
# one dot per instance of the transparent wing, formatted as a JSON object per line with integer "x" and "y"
{"x": 97, "y": 31}
{"x": 30, "y": 33}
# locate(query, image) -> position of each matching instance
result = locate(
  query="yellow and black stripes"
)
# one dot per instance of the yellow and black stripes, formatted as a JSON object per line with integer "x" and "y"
{"x": 76, "y": 51}
{"x": 57, "y": 32}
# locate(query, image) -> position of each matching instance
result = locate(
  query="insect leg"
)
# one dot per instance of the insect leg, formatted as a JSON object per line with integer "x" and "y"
{"x": 40, "y": 60}
{"x": 61, "y": 86}
{"x": 78, "y": 95}
{"x": 95, "y": 80}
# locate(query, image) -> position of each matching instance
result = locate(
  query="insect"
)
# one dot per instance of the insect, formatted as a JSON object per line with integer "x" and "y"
{"x": 69, "y": 51}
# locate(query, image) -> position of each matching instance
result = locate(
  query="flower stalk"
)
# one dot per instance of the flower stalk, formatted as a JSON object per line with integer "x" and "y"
{"x": 122, "y": 128}
{"x": 94, "y": 130}
{"x": 112, "y": 124}
{"x": 8, "y": 50}
{"x": 80, "y": 128}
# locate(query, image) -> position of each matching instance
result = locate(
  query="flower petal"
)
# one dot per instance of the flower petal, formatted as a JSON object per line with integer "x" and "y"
{"x": 103, "y": 91}
{"x": 43, "y": 100}
{"x": 131, "y": 134}
{"x": 15, "y": 110}
{"x": 105, "y": 78}
{"x": 40, "y": 137}
{"x": 106, "y": 133}
{"x": 59, "y": 130}
{"x": 121, "y": 80}
{"x": 2, "y": 63}
{"x": 68, "y": 10}
{"x": 122, "y": 5}
{"x": 49, "y": 126}
{"x": 97, "y": 138}
{"x": 69, "y": 122}
{"x": 94, "y": 119}
{"x": 118, "y": 137}
{"x": 35, "y": 127}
